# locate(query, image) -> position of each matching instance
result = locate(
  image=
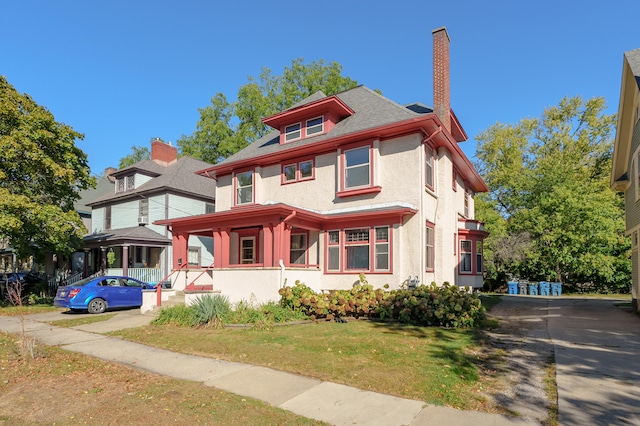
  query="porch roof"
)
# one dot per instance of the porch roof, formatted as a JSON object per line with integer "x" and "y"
{"x": 138, "y": 235}
{"x": 265, "y": 214}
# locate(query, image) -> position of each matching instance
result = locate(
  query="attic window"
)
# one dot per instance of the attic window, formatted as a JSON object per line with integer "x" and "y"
{"x": 315, "y": 125}
{"x": 292, "y": 132}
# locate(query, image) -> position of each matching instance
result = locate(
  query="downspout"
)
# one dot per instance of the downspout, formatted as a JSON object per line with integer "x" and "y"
{"x": 280, "y": 261}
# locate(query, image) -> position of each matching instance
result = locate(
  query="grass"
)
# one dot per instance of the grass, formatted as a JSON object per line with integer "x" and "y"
{"x": 61, "y": 387}
{"x": 435, "y": 365}
{"x": 72, "y": 322}
{"x": 27, "y": 309}
{"x": 551, "y": 387}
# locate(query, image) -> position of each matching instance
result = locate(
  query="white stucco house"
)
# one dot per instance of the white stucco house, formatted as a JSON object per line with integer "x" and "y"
{"x": 161, "y": 188}
{"x": 345, "y": 184}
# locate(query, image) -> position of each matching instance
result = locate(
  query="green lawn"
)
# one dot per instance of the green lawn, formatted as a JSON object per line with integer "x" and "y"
{"x": 436, "y": 365}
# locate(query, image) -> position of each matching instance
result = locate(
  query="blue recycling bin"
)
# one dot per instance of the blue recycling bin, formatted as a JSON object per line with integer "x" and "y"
{"x": 513, "y": 287}
{"x": 533, "y": 289}
{"x": 545, "y": 288}
{"x": 556, "y": 289}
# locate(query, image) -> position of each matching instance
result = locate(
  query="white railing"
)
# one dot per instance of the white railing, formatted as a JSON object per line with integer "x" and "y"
{"x": 148, "y": 275}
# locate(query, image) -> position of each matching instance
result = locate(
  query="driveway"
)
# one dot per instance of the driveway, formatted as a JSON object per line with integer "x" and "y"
{"x": 596, "y": 343}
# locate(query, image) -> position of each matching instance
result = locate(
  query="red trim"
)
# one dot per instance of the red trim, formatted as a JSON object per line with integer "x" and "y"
{"x": 371, "y": 243}
{"x": 306, "y": 248}
{"x": 343, "y": 167}
{"x": 331, "y": 104}
{"x": 426, "y": 124}
{"x": 361, "y": 191}
{"x": 298, "y": 174}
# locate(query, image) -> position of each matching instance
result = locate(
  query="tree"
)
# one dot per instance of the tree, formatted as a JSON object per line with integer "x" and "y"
{"x": 550, "y": 211}
{"x": 138, "y": 153}
{"x": 41, "y": 174}
{"x": 224, "y": 128}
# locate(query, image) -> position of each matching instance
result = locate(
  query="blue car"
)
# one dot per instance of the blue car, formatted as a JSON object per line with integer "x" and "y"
{"x": 98, "y": 294}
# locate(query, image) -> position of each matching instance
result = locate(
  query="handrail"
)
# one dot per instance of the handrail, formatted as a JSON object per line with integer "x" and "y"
{"x": 159, "y": 286}
{"x": 201, "y": 273}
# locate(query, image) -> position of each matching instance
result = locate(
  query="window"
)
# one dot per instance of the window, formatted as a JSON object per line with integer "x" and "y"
{"x": 466, "y": 203}
{"x": 465, "y": 256}
{"x": 107, "y": 218}
{"x": 454, "y": 179}
{"x": 292, "y": 132}
{"x": 209, "y": 208}
{"x": 333, "y": 248}
{"x": 131, "y": 182}
{"x": 297, "y": 171}
{"x": 143, "y": 208}
{"x": 244, "y": 188}
{"x": 478, "y": 257}
{"x": 429, "y": 162}
{"x": 429, "y": 247}
{"x": 353, "y": 249}
{"x": 194, "y": 256}
{"x": 298, "y": 249}
{"x": 382, "y": 248}
{"x": 315, "y": 125}
{"x": 120, "y": 185}
{"x": 356, "y": 167}
{"x": 247, "y": 250}
{"x": 357, "y": 248}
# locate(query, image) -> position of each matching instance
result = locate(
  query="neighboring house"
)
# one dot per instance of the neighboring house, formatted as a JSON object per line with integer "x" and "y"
{"x": 162, "y": 188}
{"x": 625, "y": 175}
{"x": 345, "y": 185}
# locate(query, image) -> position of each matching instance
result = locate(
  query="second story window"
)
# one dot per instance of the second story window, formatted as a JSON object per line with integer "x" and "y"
{"x": 315, "y": 125}
{"x": 244, "y": 188}
{"x": 429, "y": 163}
{"x": 292, "y": 132}
{"x": 126, "y": 183}
{"x": 295, "y": 172}
{"x": 143, "y": 211}
{"x": 107, "y": 218}
{"x": 209, "y": 208}
{"x": 356, "y": 167}
{"x": 466, "y": 203}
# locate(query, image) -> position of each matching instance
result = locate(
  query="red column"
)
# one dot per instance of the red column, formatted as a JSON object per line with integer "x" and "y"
{"x": 180, "y": 249}
{"x": 267, "y": 237}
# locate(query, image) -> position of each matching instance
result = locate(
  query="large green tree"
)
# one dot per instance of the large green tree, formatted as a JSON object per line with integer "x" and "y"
{"x": 550, "y": 211}
{"x": 138, "y": 153}
{"x": 41, "y": 173}
{"x": 226, "y": 127}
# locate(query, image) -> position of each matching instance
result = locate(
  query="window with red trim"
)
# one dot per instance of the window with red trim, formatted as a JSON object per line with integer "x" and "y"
{"x": 479, "y": 257}
{"x": 466, "y": 203}
{"x": 314, "y": 126}
{"x": 298, "y": 249}
{"x": 429, "y": 248}
{"x": 296, "y": 172}
{"x": 357, "y": 167}
{"x": 353, "y": 249}
{"x": 244, "y": 187}
{"x": 465, "y": 256}
{"x": 454, "y": 180}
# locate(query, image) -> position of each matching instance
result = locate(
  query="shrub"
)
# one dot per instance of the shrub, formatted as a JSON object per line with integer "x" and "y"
{"x": 212, "y": 310}
{"x": 182, "y": 316}
{"x": 446, "y": 305}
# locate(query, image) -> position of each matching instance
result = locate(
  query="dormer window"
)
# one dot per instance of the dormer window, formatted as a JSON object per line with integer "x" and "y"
{"x": 315, "y": 125}
{"x": 292, "y": 132}
{"x": 126, "y": 183}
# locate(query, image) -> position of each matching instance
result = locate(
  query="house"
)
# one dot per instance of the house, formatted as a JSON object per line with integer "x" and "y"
{"x": 344, "y": 185}
{"x": 625, "y": 174}
{"x": 161, "y": 188}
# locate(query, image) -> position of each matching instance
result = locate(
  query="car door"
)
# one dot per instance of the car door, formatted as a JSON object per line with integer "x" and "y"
{"x": 131, "y": 292}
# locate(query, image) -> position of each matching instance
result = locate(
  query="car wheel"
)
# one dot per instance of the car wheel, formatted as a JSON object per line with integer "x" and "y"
{"x": 97, "y": 306}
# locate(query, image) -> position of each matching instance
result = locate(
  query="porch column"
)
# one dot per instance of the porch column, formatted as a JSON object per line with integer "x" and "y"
{"x": 278, "y": 235}
{"x": 103, "y": 260}
{"x": 85, "y": 263}
{"x": 221, "y": 247}
{"x": 125, "y": 260}
{"x": 180, "y": 249}
{"x": 286, "y": 244}
{"x": 267, "y": 236}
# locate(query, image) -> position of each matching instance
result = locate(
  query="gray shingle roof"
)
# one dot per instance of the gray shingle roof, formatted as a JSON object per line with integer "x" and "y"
{"x": 370, "y": 110}
{"x": 633, "y": 58}
{"x": 137, "y": 233}
{"x": 179, "y": 176}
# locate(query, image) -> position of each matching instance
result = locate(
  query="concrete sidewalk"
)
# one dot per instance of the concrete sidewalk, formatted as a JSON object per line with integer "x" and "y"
{"x": 330, "y": 402}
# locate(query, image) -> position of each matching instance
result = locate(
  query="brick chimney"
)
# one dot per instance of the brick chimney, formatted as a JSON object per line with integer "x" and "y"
{"x": 163, "y": 153}
{"x": 441, "y": 76}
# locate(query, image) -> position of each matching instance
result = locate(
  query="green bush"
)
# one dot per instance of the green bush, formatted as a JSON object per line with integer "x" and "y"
{"x": 212, "y": 310}
{"x": 182, "y": 316}
{"x": 444, "y": 305}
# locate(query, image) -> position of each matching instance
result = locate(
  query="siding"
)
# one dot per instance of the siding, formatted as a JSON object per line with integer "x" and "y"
{"x": 124, "y": 215}
{"x": 632, "y": 206}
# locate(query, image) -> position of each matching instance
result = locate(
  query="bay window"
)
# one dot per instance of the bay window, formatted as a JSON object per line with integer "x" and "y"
{"x": 354, "y": 249}
{"x": 465, "y": 256}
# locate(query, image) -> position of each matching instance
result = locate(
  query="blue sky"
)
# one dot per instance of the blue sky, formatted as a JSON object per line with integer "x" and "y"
{"x": 122, "y": 72}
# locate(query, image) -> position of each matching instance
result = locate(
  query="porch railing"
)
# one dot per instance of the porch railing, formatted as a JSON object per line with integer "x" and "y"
{"x": 148, "y": 275}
